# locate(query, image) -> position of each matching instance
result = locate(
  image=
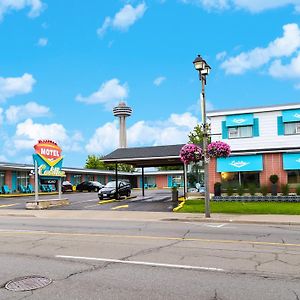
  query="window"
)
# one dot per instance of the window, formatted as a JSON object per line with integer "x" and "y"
{"x": 240, "y": 132}
{"x": 2, "y": 178}
{"x": 77, "y": 179}
{"x": 292, "y": 128}
{"x": 22, "y": 178}
{"x": 293, "y": 176}
{"x": 240, "y": 178}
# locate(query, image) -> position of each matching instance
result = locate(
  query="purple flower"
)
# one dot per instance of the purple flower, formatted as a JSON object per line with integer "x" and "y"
{"x": 190, "y": 153}
{"x": 218, "y": 149}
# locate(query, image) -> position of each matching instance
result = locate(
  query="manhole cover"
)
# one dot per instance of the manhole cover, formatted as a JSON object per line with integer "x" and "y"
{"x": 27, "y": 283}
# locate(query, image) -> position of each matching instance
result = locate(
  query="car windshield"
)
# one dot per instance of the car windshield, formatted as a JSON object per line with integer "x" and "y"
{"x": 111, "y": 184}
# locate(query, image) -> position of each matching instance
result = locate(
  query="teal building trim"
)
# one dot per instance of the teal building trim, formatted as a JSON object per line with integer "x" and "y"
{"x": 239, "y": 120}
{"x": 292, "y": 115}
{"x": 291, "y": 161}
{"x": 243, "y": 163}
{"x": 255, "y": 127}
{"x": 170, "y": 180}
{"x": 224, "y": 130}
{"x": 14, "y": 181}
{"x": 280, "y": 126}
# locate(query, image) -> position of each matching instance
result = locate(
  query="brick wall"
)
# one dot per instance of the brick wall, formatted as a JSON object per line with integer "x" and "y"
{"x": 213, "y": 175}
{"x": 161, "y": 181}
{"x": 273, "y": 165}
{"x": 8, "y": 178}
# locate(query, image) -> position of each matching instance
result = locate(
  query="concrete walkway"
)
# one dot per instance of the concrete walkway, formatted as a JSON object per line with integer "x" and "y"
{"x": 153, "y": 216}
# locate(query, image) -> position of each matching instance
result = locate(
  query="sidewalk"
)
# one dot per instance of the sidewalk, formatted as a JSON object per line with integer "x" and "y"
{"x": 153, "y": 216}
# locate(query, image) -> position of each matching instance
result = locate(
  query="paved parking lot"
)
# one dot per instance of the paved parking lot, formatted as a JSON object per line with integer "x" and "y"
{"x": 154, "y": 200}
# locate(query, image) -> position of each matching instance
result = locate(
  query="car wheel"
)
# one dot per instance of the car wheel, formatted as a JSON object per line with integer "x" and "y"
{"x": 96, "y": 189}
{"x": 100, "y": 198}
{"x": 128, "y": 194}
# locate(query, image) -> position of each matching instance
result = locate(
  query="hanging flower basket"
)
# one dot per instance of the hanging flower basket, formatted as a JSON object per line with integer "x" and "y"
{"x": 190, "y": 153}
{"x": 218, "y": 149}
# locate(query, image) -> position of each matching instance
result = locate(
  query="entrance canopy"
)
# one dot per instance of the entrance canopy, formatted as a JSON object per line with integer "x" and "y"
{"x": 155, "y": 156}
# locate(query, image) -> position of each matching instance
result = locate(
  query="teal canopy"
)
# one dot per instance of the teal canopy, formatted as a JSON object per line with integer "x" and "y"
{"x": 292, "y": 115}
{"x": 239, "y": 120}
{"x": 243, "y": 163}
{"x": 291, "y": 161}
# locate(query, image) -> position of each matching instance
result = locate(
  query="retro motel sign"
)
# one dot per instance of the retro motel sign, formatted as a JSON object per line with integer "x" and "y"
{"x": 47, "y": 163}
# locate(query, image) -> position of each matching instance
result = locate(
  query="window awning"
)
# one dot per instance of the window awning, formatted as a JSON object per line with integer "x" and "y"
{"x": 291, "y": 161}
{"x": 243, "y": 163}
{"x": 292, "y": 115}
{"x": 239, "y": 120}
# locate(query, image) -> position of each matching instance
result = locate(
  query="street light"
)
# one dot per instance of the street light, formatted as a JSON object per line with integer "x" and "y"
{"x": 203, "y": 68}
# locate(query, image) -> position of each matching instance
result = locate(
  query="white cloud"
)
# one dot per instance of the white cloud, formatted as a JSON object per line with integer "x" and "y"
{"x": 221, "y": 55}
{"x": 290, "y": 70}
{"x": 42, "y": 42}
{"x": 171, "y": 131}
{"x": 28, "y": 133}
{"x": 1, "y": 116}
{"x": 254, "y": 6}
{"x": 123, "y": 19}
{"x": 283, "y": 46}
{"x": 159, "y": 80}
{"x": 13, "y": 86}
{"x": 35, "y": 6}
{"x": 15, "y": 113}
{"x": 108, "y": 94}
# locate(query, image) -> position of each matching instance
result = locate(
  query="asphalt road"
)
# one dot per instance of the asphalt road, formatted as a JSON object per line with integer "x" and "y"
{"x": 88, "y": 259}
{"x": 154, "y": 200}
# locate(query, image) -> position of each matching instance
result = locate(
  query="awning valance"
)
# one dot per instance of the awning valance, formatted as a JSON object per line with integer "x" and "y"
{"x": 292, "y": 115}
{"x": 243, "y": 163}
{"x": 239, "y": 120}
{"x": 291, "y": 161}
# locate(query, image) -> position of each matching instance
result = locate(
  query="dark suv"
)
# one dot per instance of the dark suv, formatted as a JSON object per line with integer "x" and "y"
{"x": 109, "y": 191}
{"x": 89, "y": 186}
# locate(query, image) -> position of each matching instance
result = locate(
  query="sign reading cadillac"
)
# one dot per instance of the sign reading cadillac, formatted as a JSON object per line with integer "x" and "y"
{"x": 48, "y": 159}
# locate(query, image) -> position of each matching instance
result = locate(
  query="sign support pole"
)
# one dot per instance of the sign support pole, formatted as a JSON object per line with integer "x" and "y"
{"x": 36, "y": 181}
{"x": 59, "y": 188}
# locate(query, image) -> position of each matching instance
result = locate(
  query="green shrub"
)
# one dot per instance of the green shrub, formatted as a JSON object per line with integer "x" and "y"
{"x": 274, "y": 178}
{"x": 229, "y": 190}
{"x": 298, "y": 190}
{"x": 252, "y": 189}
{"x": 264, "y": 190}
{"x": 240, "y": 190}
{"x": 285, "y": 189}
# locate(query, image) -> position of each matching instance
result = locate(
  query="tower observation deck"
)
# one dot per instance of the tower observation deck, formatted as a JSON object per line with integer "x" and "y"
{"x": 122, "y": 111}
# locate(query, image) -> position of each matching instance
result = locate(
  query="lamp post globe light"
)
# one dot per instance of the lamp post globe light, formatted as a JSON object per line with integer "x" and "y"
{"x": 203, "y": 69}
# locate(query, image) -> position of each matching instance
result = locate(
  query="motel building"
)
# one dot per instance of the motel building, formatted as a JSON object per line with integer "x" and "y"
{"x": 263, "y": 141}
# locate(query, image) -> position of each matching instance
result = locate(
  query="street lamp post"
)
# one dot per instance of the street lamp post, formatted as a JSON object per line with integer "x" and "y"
{"x": 203, "y": 69}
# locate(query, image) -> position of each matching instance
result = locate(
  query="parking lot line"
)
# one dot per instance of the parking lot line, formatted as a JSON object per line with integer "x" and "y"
{"x": 121, "y": 206}
{"x": 8, "y": 205}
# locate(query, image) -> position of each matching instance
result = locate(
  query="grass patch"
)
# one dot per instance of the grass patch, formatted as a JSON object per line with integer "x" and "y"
{"x": 197, "y": 206}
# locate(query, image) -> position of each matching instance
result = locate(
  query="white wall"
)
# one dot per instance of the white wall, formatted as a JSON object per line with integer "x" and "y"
{"x": 268, "y": 134}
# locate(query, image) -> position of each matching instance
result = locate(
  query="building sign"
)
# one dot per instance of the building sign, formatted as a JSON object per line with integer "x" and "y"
{"x": 48, "y": 158}
{"x": 291, "y": 161}
{"x": 292, "y": 115}
{"x": 239, "y": 120}
{"x": 242, "y": 163}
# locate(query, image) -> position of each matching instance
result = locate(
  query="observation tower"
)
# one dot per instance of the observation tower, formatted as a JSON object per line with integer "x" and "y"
{"x": 122, "y": 111}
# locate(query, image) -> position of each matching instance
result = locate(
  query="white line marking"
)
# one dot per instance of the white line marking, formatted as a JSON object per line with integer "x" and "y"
{"x": 214, "y": 225}
{"x": 143, "y": 263}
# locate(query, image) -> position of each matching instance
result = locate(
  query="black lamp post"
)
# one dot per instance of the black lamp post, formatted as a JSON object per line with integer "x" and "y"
{"x": 203, "y": 69}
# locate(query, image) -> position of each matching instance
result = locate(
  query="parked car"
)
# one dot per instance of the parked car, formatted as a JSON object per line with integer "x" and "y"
{"x": 89, "y": 186}
{"x": 66, "y": 186}
{"x": 109, "y": 191}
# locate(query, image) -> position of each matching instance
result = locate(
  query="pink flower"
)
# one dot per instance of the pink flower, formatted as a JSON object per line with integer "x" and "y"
{"x": 190, "y": 153}
{"x": 218, "y": 149}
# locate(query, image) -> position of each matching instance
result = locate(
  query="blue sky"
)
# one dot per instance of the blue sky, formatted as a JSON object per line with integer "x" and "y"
{"x": 65, "y": 64}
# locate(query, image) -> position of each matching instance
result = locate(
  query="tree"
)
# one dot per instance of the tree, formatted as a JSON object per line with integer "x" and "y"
{"x": 196, "y": 136}
{"x": 96, "y": 162}
{"x": 170, "y": 168}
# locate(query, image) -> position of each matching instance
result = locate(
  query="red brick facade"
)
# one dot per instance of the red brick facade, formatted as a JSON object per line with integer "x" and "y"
{"x": 272, "y": 164}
